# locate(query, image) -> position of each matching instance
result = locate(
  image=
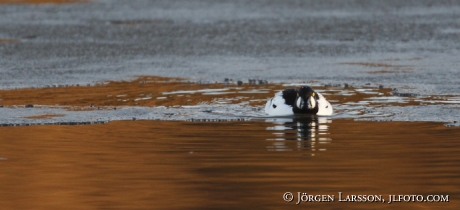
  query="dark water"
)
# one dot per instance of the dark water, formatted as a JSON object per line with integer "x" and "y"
{"x": 232, "y": 165}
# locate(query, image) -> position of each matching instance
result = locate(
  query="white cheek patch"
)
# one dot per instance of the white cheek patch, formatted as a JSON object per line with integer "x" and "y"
{"x": 312, "y": 103}
{"x": 299, "y": 102}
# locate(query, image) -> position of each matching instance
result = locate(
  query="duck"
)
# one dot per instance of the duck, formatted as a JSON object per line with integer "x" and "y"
{"x": 293, "y": 101}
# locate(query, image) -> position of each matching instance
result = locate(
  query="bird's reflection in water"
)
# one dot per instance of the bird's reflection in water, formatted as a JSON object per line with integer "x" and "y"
{"x": 299, "y": 133}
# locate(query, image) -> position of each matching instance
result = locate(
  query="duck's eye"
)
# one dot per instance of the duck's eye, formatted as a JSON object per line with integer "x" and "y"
{"x": 327, "y": 107}
{"x": 274, "y": 106}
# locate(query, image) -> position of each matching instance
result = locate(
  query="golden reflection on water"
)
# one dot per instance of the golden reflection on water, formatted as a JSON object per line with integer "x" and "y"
{"x": 187, "y": 165}
{"x": 308, "y": 132}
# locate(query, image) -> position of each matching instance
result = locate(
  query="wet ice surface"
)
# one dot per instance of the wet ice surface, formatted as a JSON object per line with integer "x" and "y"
{"x": 359, "y": 103}
{"x": 412, "y": 46}
{"x": 417, "y": 41}
{"x": 19, "y": 116}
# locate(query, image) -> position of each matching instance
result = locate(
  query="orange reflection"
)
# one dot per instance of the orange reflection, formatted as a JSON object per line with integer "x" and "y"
{"x": 184, "y": 165}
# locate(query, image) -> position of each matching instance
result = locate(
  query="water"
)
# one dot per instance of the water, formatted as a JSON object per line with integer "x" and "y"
{"x": 161, "y": 143}
{"x": 231, "y": 165}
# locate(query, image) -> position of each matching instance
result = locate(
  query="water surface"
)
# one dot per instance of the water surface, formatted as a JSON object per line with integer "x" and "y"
{"x": 231, "y": 165}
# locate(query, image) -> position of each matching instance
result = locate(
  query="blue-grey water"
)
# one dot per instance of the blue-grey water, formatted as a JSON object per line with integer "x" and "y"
{"x": 417, "y": 41}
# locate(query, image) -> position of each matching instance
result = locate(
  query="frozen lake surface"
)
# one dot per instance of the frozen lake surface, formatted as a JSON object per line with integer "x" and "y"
{"x": 412, "y": 46}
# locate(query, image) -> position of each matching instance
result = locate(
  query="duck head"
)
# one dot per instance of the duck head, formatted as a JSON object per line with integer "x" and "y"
{"x": 307, "y": 99}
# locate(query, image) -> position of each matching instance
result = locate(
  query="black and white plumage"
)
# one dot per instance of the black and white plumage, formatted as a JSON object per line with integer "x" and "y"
{"x": 298, "y": 101}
